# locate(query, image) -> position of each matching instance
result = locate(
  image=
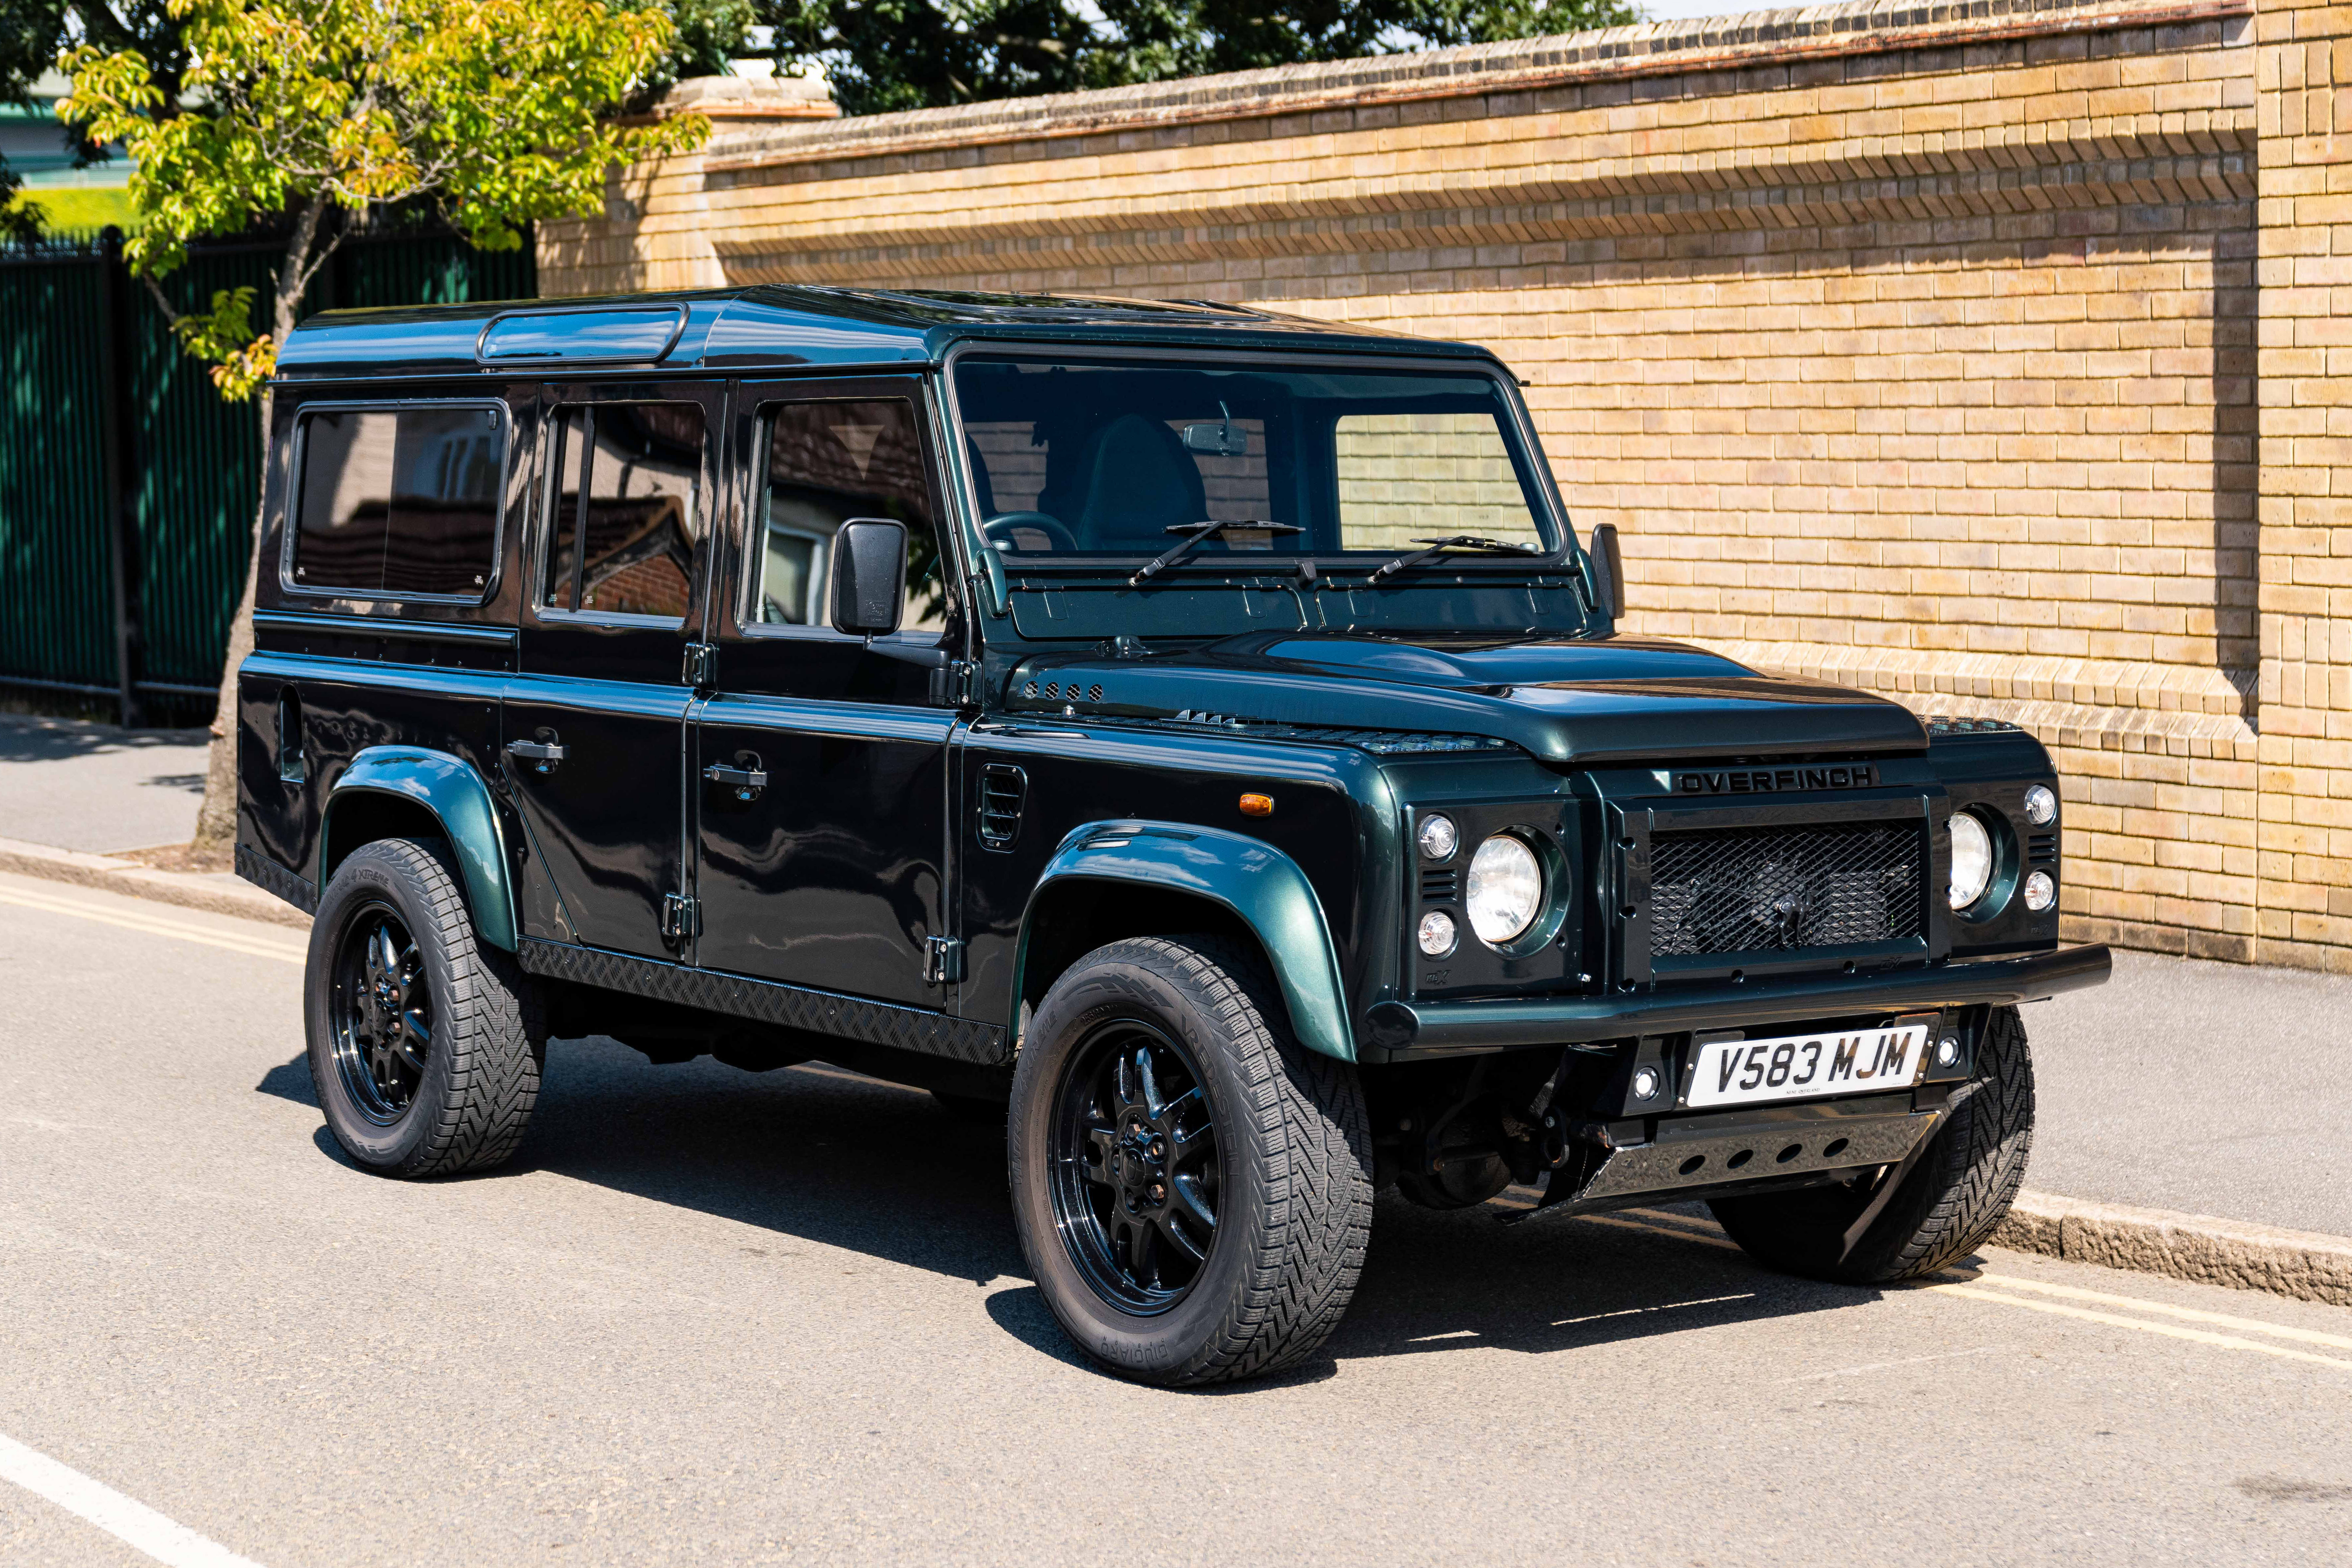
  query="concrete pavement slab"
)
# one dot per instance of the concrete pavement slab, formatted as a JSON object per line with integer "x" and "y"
{"x": 97, "y": 788}
{"x": 2212, "y": 1089}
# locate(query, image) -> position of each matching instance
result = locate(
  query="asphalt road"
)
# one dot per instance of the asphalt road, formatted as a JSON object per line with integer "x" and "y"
{"x": 709, "y": 1316}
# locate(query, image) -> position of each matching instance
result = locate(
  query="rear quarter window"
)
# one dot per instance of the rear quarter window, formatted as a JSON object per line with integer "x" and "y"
{"x": 400, "y": 502}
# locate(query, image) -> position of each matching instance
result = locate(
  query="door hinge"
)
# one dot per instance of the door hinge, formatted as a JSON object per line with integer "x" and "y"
{"x": 701, "y": 669}
{"x": 943, "y": 960}
{"x": 681, "y": 917}
{"x": 952, "y": 684}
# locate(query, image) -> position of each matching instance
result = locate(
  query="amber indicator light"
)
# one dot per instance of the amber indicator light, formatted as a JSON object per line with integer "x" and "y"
{"x": 1257, "y": 805}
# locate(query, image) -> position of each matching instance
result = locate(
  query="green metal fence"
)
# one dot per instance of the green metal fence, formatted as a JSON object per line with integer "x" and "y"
{"x": 127, "y": 487}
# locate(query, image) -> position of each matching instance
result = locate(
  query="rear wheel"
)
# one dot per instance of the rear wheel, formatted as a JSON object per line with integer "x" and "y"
{"x": 1191, "y": 1186}
{"x": 423, "y": 1043}
{"x": 1953, "y": 1198}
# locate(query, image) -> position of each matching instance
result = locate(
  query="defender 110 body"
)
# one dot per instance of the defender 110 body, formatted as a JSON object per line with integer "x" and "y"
{"x": 1191, "y": 735}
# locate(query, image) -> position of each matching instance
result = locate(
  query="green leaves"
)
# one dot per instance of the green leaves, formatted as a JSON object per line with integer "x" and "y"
{"x": 497, "y": 113}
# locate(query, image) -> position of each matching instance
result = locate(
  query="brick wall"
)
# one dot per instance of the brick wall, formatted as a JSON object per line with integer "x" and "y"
{"x": 1981, "y": 354}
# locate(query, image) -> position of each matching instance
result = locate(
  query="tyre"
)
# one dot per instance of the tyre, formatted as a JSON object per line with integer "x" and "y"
{"x": 424, "y": 1043}
{"x": 1952, "y": 1199}
{"x": 1191, "y": 1186}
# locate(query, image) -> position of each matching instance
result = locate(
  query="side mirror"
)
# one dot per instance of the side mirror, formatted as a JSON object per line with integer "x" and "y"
{"x": 869, "y": 575}
{"x": 1608, "y": 571}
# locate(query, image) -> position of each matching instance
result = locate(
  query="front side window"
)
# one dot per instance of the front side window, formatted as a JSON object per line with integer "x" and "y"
{"x": 1106, "y": 459}
{"x": 400, "y": 502}
{"x": 625, "y": 484}
{"x": 829, "y": 461}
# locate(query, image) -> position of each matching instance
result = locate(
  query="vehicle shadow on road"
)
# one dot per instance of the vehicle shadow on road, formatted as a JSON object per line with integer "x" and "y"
{"x": 826, "y": 1156}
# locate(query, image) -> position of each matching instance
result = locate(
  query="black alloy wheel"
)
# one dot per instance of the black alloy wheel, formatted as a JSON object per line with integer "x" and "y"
{"x": 382, "y": 1015}
{"x": 1135, "y": 1169}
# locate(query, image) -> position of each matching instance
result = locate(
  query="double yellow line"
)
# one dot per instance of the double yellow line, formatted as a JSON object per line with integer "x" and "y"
{"x": 2220, "y": 1330}
{"x": 134, "y": 918}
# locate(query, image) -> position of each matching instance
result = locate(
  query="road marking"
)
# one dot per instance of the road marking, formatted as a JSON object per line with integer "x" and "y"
{"x": 1661, "y": 1307}
{"x": 2116, "y": 1319}
{"x": 1885, "y": 1365}
{"x": 125, "y": 1519}
{"x": 1650, "y": 1229}
{"x": 2189, "y": 1314}
{"x": 154, "y": 925}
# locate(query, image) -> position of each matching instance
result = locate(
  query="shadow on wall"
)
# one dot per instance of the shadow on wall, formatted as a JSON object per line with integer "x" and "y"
{"x": 819, "y": 1155}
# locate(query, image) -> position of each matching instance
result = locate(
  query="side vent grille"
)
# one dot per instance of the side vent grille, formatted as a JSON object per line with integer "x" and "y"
{"x": 1440, "y": 886}
{"x": 2041, "y": 848}
{"x": 1003, "y": 790}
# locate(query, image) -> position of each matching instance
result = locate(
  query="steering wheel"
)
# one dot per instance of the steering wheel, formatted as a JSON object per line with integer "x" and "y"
{"x": 1001, "y": 528}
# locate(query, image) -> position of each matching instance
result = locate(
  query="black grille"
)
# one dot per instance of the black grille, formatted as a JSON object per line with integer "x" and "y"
{"x": 1779, "y": 889}
{"x": 1440, "y": 886}
{"x": 1002, "y": 791}
{"x": 2041, "y": 847}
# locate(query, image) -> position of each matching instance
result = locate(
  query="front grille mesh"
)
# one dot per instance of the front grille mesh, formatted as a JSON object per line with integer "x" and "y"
{"x": 1782, "y": 889}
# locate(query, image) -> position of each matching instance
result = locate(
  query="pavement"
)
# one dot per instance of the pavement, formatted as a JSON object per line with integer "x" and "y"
{"x": 96, "y": 788}
{"x": 716, "y": 1316}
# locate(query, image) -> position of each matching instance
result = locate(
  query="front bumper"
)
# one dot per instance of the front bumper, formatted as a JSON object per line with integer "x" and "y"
{"x": 1399, "y": 1031}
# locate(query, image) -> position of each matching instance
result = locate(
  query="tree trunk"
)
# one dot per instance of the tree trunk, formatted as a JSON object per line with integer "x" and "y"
{"x": 216, "y": 818}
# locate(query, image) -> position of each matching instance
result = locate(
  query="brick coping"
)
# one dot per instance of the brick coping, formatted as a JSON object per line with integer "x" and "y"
{"x": 1653, "y": 49}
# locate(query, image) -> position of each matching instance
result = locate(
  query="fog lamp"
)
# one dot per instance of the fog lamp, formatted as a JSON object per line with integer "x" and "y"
{"x": 1645, "y": 1084}
{"x": 1948, "y": 1051}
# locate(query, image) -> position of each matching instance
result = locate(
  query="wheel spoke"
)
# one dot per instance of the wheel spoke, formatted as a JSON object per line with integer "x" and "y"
{"x": 411, "y": 1040}
{"x": 1187, "y": 1198}
{"x": 1173, "y": 1233}
{"x": 1122, "y": 1078}
{"x": 1153, "y": 1106}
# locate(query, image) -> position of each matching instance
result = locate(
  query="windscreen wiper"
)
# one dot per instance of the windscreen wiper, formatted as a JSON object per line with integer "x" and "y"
{"x": 1463, "y": 543}
{"x": 1199, "y": 533}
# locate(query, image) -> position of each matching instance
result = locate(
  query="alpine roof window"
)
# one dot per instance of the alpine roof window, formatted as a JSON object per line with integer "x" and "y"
{"x": 400, "y": 502}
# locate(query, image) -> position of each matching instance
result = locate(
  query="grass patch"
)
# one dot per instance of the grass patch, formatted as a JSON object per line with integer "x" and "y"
{"x": 79, "y": 209}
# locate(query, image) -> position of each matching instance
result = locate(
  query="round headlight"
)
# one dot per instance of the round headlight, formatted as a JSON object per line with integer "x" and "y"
{"x": 2040, "y": 891}
{"x": 1971, "y": 860}
{"x": 1505, "y": 888}
{"x": 1436, "y": 934}
{"x": 2040, "y": 804}
{"x": 1437, "y": 839}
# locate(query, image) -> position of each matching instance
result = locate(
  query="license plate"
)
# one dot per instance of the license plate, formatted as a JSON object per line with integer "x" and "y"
{"x": 1806, "y": 1067}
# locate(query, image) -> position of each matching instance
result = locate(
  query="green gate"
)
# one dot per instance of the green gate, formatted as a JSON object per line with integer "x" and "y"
{"x": 127, "y": 487}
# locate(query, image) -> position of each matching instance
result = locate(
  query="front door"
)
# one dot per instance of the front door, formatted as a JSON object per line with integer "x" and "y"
{"x": 594, "y": 726}
{"x": 831, "y": 872}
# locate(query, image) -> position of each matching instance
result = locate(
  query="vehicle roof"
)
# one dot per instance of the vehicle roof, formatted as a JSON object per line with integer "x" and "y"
{"x": 781, "y": 326}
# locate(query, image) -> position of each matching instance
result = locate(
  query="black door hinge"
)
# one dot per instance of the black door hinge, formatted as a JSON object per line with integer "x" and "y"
{"x": 701, "y": 668}
{"x": 952, "y": 684}
{"x": 681, "y": 917}
{"x": 943, "y": 960}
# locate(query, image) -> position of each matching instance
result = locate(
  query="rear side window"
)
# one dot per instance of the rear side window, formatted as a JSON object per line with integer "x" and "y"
{"x": 629, "y": 550}
{"x": 400, "y": 502}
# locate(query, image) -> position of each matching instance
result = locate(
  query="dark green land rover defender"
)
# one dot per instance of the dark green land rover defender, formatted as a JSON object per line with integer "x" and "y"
{"x": 1191, "y": 735}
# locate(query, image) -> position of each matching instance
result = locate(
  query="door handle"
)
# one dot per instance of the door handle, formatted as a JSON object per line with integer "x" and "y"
{"x": 747, "y": 782}
{"x": 541, "y": 754}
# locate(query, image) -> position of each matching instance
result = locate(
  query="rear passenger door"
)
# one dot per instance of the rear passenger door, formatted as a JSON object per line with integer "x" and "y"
{"x": 832, "y": 873}
{"x": 594, "y": 728}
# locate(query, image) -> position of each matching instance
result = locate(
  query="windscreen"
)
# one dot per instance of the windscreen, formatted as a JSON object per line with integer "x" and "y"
{"x": 1080, "y": 459}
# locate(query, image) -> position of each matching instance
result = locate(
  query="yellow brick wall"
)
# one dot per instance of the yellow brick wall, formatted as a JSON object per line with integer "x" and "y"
{"x": 1913, "y": 349}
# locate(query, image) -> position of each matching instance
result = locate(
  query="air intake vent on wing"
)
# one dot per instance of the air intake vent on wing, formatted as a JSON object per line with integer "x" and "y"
{"x": 1003, "y": 790}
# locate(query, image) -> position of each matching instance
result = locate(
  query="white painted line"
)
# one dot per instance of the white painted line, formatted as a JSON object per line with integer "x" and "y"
{"x": 2116, "y": 1319}
{"x": 234, "y": 942}
{"x": 1886, "y": 1365}
{"x": 133, "y": 1523}
{"x": 2187, "y": 1314}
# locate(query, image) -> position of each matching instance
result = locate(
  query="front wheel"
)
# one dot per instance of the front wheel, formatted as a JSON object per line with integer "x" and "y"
{"x": 423, "y": 1044}
{"x": 1952, "y": 1199}
{"x": 1190, "y": 1185}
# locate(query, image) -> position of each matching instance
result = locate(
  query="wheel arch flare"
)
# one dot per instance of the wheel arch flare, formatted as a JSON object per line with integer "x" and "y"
{"x": 411, "y": 779}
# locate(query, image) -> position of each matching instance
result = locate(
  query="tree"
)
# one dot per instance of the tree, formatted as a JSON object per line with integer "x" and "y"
{"x": 32, "y": 32}
{"x": 885, "y": 55}
{"x": 315, "y": 117}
